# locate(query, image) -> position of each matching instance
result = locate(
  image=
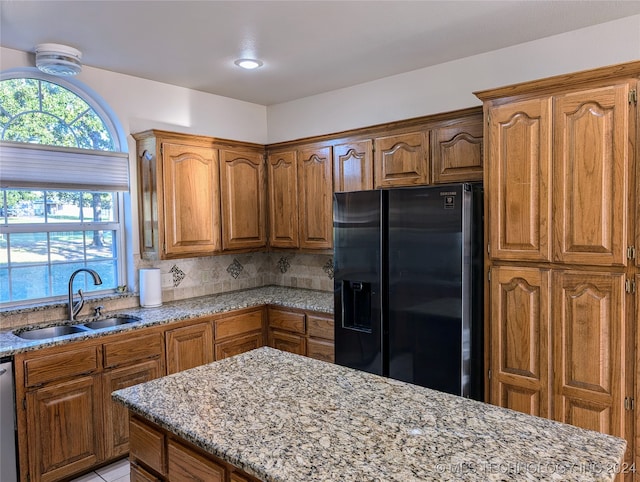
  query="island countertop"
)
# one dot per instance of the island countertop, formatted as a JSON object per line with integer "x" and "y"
{"x": 284, "y": 417}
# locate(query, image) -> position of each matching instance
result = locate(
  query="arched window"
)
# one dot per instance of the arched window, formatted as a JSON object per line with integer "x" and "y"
{"x": 61, "y": 178}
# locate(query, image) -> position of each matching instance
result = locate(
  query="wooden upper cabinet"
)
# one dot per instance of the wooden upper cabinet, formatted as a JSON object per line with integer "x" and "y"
{"x": 520, "y": 336}
{"x": 518, "y": 180}
{"x": 456, "y": 151}
{"x": 589, "y": 345}
{"x": 242, "y": 189}
{"x": 316, "y": 197}
{"x": 401, "y": 160}
{"x": 591, "y": 170}
{"x": 353, "y": 166}
{"x": 283, "y": 200}
{"x": 191, "y": 199}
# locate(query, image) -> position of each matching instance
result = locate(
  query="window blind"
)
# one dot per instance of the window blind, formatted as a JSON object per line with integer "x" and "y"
{"x": 36, "y": 166}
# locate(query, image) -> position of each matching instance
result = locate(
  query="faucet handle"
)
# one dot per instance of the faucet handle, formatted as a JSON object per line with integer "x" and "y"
{"x": 97, "y": 311}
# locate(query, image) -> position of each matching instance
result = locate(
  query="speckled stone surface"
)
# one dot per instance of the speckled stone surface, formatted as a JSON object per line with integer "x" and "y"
{"x": 321, "y": 301}
{"x": 283, "y": 417}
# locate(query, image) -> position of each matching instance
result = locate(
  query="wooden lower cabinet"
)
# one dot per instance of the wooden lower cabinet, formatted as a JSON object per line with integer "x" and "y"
{"x": 520, "y": 336}
{"x": 301, "y": 332}
{"x": 589, "y": 340}
{"x": 287, "y": 342}
{"x": 186, "y": 464}
{"x": 64, "y": 428}
{"x": 189, "y": 346}
{"x": 237, "y": 345}
{"x": 159, "y": 455}
{"x": 138, "y": 474}
{"x": 116, "y": 427}
{"x": 559, "y": 340}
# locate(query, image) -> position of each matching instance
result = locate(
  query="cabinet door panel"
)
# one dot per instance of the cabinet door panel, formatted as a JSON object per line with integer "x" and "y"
{"x": 321, "y": 349}
{"x": 191, "y": 198}
{"x": 64, "y": 428}
{"x": 519, "y": 176}
{"x": 520, "y": 355}
{"x": 590, "y": 176}
{"x": 456, "y": 151}
{"x": 189, "y": 347}
{"x": 353, "y": 166}
{"x": 242, "y": 187}
{"x": 283, "y": 200}
{"x": 116, "y": 416}
{"x": 589, "y": 337}
{"x": 401, "y": 160}
{"x": 316, "y": 198}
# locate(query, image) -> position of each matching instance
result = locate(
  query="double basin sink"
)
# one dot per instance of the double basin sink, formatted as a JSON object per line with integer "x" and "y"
{"x": 61, "y": 330}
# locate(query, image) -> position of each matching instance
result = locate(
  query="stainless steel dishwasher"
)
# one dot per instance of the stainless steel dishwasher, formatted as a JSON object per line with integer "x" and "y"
{"x": 8, "y": 461}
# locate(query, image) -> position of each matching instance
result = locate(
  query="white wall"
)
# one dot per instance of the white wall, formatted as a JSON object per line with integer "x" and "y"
{"x": 450, "y": 86}
{"x": 141, "y": 104}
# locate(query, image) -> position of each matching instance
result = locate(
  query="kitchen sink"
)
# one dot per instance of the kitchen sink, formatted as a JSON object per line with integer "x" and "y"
{"x": 50, "y": 332}
{"x": 110, "y": 322}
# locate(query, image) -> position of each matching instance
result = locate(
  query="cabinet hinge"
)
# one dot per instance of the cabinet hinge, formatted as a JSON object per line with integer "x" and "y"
{"x": 629, "y": 403}
{"x": 489, "y": 374}
{"x": 489, "y": 275}
{"x": 24, "y": 403}
{"x": 631, "y": 252}
{"x": 633, "y": 96}
{"x": 488, "y": 248}
{"x": 630, "y": 286}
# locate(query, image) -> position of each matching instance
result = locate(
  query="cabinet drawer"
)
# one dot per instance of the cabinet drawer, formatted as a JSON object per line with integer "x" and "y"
{"x": 186, "y": 464}
{"x": 238, "y": 324}
{"x": 146, "y": 444}
{"x": 320, "y": 326}
{"x": 135, "y": 348}
{"x": 286, "y": 320}
{"x": 48, "y": 368}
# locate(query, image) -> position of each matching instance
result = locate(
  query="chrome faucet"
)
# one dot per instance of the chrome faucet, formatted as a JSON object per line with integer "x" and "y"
{"x": 74, "y": 309}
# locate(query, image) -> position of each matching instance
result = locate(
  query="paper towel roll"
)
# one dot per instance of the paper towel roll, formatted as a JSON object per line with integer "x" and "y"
{"x": 150, "y": 287}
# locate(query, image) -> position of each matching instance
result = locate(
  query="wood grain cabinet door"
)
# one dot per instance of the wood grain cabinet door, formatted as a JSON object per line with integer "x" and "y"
{"x": 188, "y": 347}
{"x": 401, "y": 160}
{"x": 64, "y": 428}
{"x": 589, "y": 340}
{"x": 456, "y": 151}
{"x": 518, "y": 180}
{"x": 353, "y": 166}
{"x": 242, "y": 188}
{"x": 116, "y": 416}
{"x": 591, "y": 171}
{"x": 520, "y": 357}
{"x": 316, "y": 197}
{"x": 283, "y": 200}
{"x": 191, "y": 200}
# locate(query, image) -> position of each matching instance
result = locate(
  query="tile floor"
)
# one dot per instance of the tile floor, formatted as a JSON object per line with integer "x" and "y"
{"x": 116, "y": 472}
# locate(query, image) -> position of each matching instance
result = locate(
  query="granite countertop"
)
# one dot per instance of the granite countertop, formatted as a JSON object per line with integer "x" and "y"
{"x": 283, "y": 417}
{"x": 312, "y": 300}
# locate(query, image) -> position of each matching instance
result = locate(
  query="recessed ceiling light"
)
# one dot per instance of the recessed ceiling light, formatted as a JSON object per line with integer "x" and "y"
{"x": 248, "y": 64}
{"x": 56, "y": 59}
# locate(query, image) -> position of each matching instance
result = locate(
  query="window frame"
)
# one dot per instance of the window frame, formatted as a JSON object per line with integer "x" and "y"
{"x": 121, "y": 198}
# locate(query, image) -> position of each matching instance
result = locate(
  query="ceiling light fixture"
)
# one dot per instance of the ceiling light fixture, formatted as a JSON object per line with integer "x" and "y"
{"x": 56, "y": 59}
{"x": 248, "y": 64}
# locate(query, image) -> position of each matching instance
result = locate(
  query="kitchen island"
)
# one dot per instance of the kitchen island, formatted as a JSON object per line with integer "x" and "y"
{"x": 282, "y": 417}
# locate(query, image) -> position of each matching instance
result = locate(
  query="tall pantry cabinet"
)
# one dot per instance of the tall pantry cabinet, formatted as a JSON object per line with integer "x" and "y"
{"x": 562, "y": 215}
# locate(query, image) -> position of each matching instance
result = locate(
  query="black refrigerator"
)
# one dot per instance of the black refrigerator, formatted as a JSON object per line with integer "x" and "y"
{"x": 408, "y": 282}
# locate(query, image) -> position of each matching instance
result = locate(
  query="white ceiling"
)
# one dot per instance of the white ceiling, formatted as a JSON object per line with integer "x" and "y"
{"x": 308, "y": 47}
